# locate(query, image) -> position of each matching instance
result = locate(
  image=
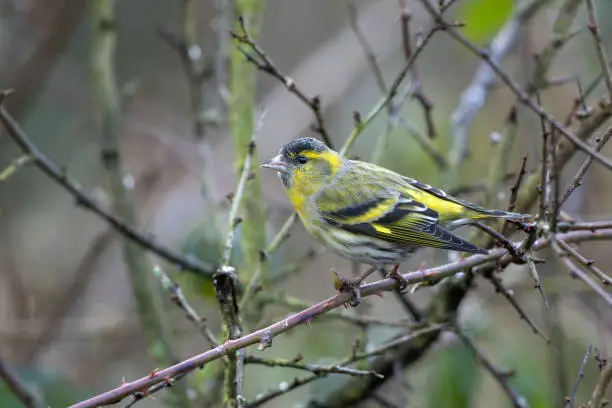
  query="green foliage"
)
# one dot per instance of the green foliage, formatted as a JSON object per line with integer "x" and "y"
{"x": 454, "y": 378}
{"x": 532, "y": 379}
{"x": 483, "y": 17}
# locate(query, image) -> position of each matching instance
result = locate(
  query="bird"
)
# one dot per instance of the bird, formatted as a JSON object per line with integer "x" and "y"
{"x": 368, "y": 213}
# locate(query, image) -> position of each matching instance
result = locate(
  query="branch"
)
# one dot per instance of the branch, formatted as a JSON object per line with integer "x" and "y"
{"x": 84, "y": 200}
{"x": 601, "y": 52}
{"x": 178, "y": 298}
{"x": 18, "y": 388}
{"x": 605, "y": 376}
{"x": 577, "y": 180}
{"x": 225, "y": 282}
{"x": 265, "y": 64}
{"x": 520, "y": 94}
{"x": 500, "y": 256}
{"x": 104, "y": 39}
{"x": 313, "y": 368}
{"x": 390, "y": 345}
{"x": 474, "y": 96}
{"x": 518, "y": 401}
{"x": 569, "y": 403}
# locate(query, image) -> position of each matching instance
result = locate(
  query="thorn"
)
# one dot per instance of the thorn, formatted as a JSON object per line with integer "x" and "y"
{"x": 153, "y": 373}
{"x": 379, "y": 294}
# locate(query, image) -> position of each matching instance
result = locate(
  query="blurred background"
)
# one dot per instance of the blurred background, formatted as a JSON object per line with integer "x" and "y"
{"x": 68, "y": 323}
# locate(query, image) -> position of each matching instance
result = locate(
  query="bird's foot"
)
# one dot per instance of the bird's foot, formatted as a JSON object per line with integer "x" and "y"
{"x": 352, "y": 286}
{"x": 402, "y": 283}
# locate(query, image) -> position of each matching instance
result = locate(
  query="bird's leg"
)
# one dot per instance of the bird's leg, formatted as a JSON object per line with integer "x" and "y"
{"x": 401, "y": 281}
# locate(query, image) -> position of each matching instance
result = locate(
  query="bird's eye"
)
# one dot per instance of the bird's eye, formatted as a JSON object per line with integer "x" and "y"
{"x": 302, "y": 159}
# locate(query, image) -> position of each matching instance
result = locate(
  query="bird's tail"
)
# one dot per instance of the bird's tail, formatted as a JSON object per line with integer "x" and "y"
{"x": 484, "y": 213}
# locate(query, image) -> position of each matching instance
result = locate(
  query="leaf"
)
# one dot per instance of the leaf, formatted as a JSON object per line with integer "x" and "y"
{"x": 454, "y": 378}
{"x": 484, "y": 17}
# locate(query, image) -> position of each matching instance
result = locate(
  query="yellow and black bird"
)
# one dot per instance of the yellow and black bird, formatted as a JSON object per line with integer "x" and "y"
{"x": 368, "y": 213}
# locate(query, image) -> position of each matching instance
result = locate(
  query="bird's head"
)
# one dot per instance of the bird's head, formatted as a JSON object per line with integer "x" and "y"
{"x": 305, "y": 164}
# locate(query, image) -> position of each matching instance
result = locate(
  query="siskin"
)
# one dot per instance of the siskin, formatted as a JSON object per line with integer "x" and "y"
{"x": 370, "y": 214}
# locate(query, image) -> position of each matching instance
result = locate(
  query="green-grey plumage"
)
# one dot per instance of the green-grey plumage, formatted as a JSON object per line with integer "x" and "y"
{"x": 368, "y": 213}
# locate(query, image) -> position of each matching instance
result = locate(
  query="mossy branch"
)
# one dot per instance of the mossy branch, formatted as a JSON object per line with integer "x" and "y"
{"x": 104, "y": 38}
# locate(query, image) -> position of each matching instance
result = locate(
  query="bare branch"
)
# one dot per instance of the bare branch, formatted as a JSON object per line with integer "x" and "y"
{"x": 18, "y": 388}
{"x": 265, "y": 64}
{"x": 517, "y": 400}
{"x": 178, "y": 298}
{"x": 601, "y": 52}
{"x": 520, "y": 94}
{"x": 570, "y": 401}
{"x": 84, "y": 200}
{"x": 605, "y": 376}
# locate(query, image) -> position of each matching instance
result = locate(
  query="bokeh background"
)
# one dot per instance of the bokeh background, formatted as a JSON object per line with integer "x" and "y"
{"x": 67, "y": 317}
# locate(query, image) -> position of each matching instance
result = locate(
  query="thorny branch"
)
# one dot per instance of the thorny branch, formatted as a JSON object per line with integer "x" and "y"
{"x": 479, "y": 263}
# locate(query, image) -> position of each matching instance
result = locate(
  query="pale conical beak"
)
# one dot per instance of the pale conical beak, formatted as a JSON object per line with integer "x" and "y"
{"x": 276, "y": 163}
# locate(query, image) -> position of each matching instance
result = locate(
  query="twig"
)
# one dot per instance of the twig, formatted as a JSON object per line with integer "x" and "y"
{"x": 601, "y": 52}
{"x": 474, "y": 96}
{"x": 313, "y": 368}
{"x": 407, "y": 304}
{"x": 281, "y": 236}
{"x": 188, "y": 365}
{"x": 518, "y": 401}
{"x": 544, "y": 172}
{"x": 362, "y": 124}
{"x": 265, "y": 64}
{"x": 393, "y": 108}
{"x": 285, "y": 388}
{"x": 417, "y": 86}
{"x": 234, "y": 221}
{"x": 587, "y": 226}
{"x": 499, "y": 287}
{"x": 365, "y": 46}
{"x": 84, "y": 200}
{"x": 605, "y": 376}
{"x": 425, "y": 143}
{"x": 501, "y": 156}
{"x": 225, "y": 282}
{"x": 536, "y": 278}
{"x": 242, "y": 120}
{"x": 576, "y": 272}
{"x": 587, "y": 263}
{"x": 178, "y": 298}
{"x": 570, "y": 401}
{"x": 18, "y": 388}
{"x": 520, "y": 94}
{"x": 554, "y": 182}
{"x": 577, "y": 180}
{"x": 560, "y": 36}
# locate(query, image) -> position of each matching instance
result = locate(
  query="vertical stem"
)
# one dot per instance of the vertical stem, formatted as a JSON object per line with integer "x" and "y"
{"x": 241, "y": 126}
{"x": 104, "y": 38}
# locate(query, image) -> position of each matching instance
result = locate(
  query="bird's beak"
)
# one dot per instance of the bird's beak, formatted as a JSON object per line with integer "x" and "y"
{"x": 276, "y": 163}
